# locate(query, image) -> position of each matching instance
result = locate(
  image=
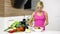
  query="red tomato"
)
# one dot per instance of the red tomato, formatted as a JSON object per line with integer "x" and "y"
{"x": 11, "y": 31}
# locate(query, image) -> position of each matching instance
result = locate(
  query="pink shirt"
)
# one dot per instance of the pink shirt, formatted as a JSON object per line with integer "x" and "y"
{"x": 39, "y": 20}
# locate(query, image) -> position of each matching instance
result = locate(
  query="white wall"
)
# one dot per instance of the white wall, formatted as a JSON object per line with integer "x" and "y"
{"x": 53, "y": 9}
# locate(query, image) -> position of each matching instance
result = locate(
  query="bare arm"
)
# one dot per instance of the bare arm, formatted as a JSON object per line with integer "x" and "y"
{"x": 31, "y": 19}
{"x": 46, "y": 21}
